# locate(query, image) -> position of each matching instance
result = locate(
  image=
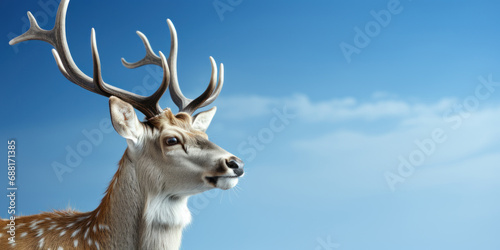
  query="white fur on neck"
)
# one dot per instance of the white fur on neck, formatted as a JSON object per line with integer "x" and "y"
{"x": 166, "y": 210}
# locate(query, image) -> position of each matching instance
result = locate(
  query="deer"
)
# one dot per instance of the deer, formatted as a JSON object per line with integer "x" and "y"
{"x": 168, "y": 158}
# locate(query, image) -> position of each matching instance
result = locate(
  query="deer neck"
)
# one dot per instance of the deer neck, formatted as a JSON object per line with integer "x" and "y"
{"x": 142, "y": 219}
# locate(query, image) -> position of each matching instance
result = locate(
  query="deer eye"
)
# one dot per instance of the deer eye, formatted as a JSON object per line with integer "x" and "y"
{"x": 172, "y": 141}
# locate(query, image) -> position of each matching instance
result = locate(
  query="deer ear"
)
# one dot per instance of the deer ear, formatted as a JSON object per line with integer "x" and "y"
{"x": 124, "y": 119}
{"x": 202, "y": 120}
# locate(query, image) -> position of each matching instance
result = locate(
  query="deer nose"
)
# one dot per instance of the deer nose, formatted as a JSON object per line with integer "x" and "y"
{"x": 236, "y": 165}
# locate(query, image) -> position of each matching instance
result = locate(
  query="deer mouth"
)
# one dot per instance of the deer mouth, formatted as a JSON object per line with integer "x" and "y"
{"x": 214, "y": 179}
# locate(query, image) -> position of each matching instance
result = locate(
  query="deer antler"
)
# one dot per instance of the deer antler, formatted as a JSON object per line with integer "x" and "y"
{"x": 185, "y": 104}
{"x": 57, "y": 38}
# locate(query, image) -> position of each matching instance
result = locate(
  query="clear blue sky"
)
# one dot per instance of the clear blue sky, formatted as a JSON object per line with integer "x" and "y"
{"x": 395, "y": 146}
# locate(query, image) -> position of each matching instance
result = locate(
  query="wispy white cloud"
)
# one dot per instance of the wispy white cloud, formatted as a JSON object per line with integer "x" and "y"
{"x": 333, "y": 110}
{"x": 454, "y": 160}
{"x": 477, "y": 134}
{"x": 347, "y": 109}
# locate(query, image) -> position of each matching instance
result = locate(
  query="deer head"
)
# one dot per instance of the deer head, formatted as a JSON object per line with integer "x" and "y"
{"x": 172, "y": 151}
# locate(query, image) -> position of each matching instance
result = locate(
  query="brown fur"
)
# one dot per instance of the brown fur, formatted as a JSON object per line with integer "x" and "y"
{"x": 58, "y": 229}
{"x": 90, "y": 229}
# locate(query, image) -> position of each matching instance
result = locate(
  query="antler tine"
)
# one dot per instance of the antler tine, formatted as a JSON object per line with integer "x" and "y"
{"x": 149, "y": 58}
{"x": 216, "y": 93}
{"x": 147, "y": 105}
{"x": 200, "y": 100}
{"x": 164, "y": 84}
{"x": 57, "y": 38}
{"x": 34, "y": 33}
{"x": 175, "y": 92}
{"x": 185, "y": 104}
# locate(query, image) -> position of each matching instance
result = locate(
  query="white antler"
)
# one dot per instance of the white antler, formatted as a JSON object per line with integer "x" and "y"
{"x": 185, "y": 104}
{"x": 57, "y": 38}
